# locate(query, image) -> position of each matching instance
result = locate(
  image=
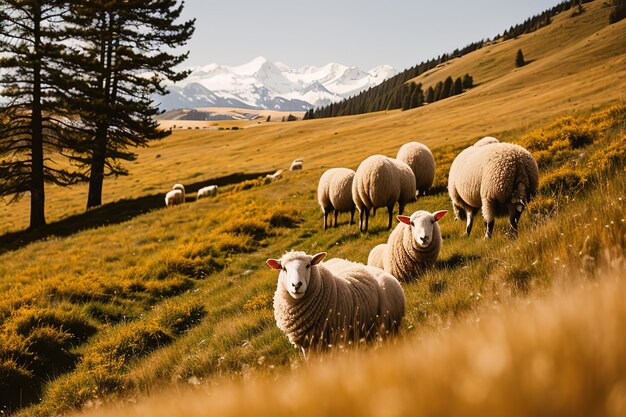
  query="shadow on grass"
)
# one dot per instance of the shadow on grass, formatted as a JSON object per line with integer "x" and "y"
{"x": 111, "y": 213}
{"x": 456, "y": 260}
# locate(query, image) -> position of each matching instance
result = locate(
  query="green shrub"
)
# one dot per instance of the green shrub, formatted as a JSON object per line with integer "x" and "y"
{"x": 177, "y": 319}
{"x": 563, "y": 181}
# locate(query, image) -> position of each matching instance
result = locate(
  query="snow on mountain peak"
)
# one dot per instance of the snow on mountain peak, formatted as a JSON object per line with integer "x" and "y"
{"x": 261, "y": 83}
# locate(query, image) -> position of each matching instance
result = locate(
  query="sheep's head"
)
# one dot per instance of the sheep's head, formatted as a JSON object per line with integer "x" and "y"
{"x": 295, "y": 271}
{"x": 422, "y": 224}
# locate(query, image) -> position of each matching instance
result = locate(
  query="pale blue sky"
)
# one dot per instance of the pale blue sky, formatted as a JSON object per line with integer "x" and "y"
{"x": 364, "y": 33}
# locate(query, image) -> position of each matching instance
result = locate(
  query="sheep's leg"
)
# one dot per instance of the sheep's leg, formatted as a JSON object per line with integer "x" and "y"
{"x": 514, "y": 216}
{"x": 361, "y": 216}
{"x": 390, "y": 211}
{"x": 336, "y": 213}
{"x": 325, "y": 219}
{"x": 469, "y": 214}
{"x": 400, "y": 209}
{"x": 367, "y": 219}
{"x": 374, "y": 212}
{"x": 352, "y": 216}
{"x": 489, "y": 231}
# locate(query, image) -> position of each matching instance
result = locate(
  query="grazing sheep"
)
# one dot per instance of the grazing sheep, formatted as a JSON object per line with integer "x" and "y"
{"x": 181, "y": 188}
{"x": 276, "y": 175}
{"x": 296, "y": 165}
{"x": 318, "y": 304}
{"x": 487, "y": 140}
{"x": 209, "y": 191}
{"x": 412, "y": 247}
{"x": 421, "y": 161}
{"x": 334, "y": 193}
{"x": 500, "y": 178}
{"x": 381, "y": 182}
{"x": 174, "y": 197}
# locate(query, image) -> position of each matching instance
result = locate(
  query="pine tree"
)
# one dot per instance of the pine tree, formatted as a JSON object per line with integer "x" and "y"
{"x": 468, "y": 82}
{"x": 34, "y": 133}
{"x": 457, "y": 87}
{"x": 447, "y": 87}
{"x": 619, "y": 11}
{"x": 430, "y": 95}
{"x": 519, "y": 60}
{"x": 121, "y": 51}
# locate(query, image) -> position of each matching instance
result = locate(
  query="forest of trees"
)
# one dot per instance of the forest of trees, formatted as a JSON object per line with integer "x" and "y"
{"x": 392, "y": 94}
{"x": 73, "y": 111}
{"x": 619, "y": 12}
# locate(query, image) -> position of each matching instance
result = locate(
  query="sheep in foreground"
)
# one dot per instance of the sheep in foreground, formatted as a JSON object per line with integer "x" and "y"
{"x": 209, "y": 191}
{"x": 421, "y": 161}
{"x": 487, "y": 140}
{"x": 334, "y": 193}
{"x": 296, "y": 165}
{"x": 412, "y": 247}
{"x": 500, "y": 178}
{"x": 318, "y": 304}
{"x": 381, "y": 182}
{"x": 174, "y": 197}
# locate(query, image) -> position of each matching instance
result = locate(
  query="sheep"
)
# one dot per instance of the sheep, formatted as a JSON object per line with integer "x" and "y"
{"x": 209, "y": 191}
{"x": 317, "y": 304}
{"x": 174, "y": 197}
{"x": 181, "y": 188}
{"x": 421, "y": 161}
{"x": 276, "y": 175}
{"x": 501, "y": 178}
{"x": 412, "y": 247}
{"x": 296, "y": 165}
{"x": 487, "y": 140}
{"x": 381, "y": 182}
{"x": 334, "y": 193}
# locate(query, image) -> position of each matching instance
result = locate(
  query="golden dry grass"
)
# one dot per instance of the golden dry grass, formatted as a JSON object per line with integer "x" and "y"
{"x": 563, "y": 355}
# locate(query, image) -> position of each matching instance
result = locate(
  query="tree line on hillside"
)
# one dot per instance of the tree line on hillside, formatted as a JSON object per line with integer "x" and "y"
{"x": 619, "y": 11}
{"x": 75, "y": 89}
{"x": 389, "y": 95}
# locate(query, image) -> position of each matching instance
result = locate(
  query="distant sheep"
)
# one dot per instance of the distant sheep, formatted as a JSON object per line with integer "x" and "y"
{"x": 181, "y": 188}
{"x": 320, "y": 304}
{"x": 421, "y": 161}
{"x": 334, "y": 193}
{"x": 381, "y": 182}
{"x": 209, "y": 191}
{"x": 276, "y": 175}
{"x": 296, "y": 165}
{"x": 412, "y": 247}
{"x": 500, "y": 178}
{"x": 174, "y": 197}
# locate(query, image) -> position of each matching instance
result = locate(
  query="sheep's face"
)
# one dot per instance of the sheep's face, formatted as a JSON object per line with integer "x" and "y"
{"x": 422, "y": 224}
{"x": 295, "y": 274}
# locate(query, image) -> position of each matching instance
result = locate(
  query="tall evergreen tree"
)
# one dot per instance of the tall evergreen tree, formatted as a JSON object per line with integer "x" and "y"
{"x": 457, "y": 88}
{"x": 519, "y": 59}
{"x": 468, "y": 82}
{"x": 447, "y": 87}
{"x": 121, "y": 51}
{"x": 430, "y": 95}
{"x": 32, "y": 128}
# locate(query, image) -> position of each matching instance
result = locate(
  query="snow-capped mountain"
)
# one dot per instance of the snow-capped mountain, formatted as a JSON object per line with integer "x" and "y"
{"x": 262, "y": 84}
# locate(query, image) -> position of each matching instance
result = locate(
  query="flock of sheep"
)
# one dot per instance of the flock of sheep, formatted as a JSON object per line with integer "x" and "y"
{"x": 318, "y": 304}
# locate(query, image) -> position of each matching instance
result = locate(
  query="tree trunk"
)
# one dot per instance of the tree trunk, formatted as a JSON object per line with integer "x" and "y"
{"x": 37, "y": 192}
{"x": 96, "y": 176}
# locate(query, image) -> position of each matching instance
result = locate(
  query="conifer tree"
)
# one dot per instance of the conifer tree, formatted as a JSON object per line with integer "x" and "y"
{"x": 519, "y": 60}
{"x": 34, "y": 133}
{"x": 430, "y": 95}
{"x": 457, "y": 87}
{"x": 121, "y": 51}
{"x": 468, "y": 82}
{"x": 447, "y": 87}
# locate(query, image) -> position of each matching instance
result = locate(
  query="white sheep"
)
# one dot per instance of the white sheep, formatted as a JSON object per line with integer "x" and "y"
{"x": 381, "y": 181}
{"x": 296, "y": 165}
{"x": 334, "y": 193}
{"x": 412, "y": 247}
{"x": 174, "y": 197}
{"x": 500, "y": 178}
{"x": 181, "y": 188}
{"x": 318, "y": 304}
{"x": 487, "y": 140}
{"x": 421, "y": 161}
{"x": 209, "y": 191}
{"x": 276, "y": 175}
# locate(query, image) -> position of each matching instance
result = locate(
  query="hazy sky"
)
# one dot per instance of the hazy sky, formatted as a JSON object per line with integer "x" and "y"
{"x": 363, "y": 33}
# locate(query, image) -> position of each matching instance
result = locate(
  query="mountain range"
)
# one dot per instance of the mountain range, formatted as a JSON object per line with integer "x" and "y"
{"x": 262, "y": 84}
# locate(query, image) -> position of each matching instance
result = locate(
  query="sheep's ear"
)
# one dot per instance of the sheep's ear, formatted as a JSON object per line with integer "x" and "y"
{"x": 404, "y": 219}
{"x": 274, "y": 264}
{"x": 317, "y": 258}
{"x": 439, "y": 214}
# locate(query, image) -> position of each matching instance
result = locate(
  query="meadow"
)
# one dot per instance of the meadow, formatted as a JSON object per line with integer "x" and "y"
{"x": 119, "y": 304}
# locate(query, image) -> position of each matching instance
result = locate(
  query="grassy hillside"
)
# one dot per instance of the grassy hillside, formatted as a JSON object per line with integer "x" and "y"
{"x": 182, "y": 295}
{"x": 578, "y": 64}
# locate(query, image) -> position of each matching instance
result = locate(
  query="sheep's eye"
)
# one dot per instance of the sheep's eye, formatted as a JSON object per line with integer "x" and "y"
{"x": 308, "y": 266}
{"x": 432, "y": 222}
{"x": 412, "y": 224}
{"x": 283, "y": 268}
